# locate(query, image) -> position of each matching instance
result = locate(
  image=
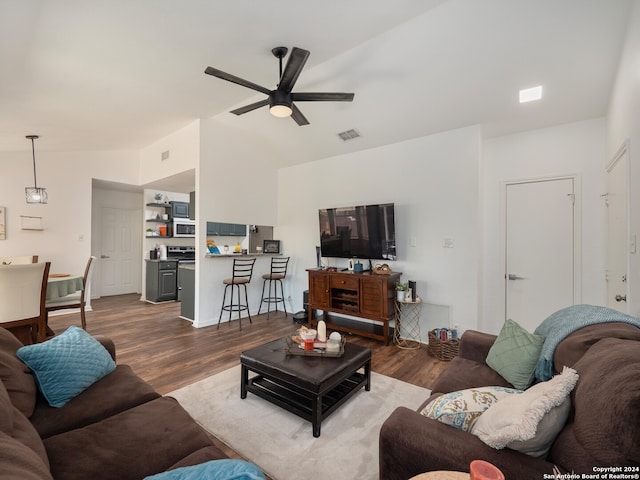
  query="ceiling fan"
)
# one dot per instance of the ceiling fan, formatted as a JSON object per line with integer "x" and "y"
{"x": 281, "y": 99}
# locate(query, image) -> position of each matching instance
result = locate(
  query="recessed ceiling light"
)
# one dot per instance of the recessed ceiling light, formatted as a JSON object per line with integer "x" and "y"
{"x": 531, "y": 94}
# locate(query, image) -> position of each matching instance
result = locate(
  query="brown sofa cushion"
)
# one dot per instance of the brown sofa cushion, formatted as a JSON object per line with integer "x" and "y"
{"x": 120, "y": 390}
{"x": 462, "y": 373}
{"x": 572, "y": 348}
{"x": 606, "y": 405}
{"x": 15, "y": 375}
{"x": 205, "y": 454}
{"x": 24, "y": 432}
{"x": 142, "y": 441}
{"x": 19, "y": 462}
{"x": 6, "y": 411}
{"x": 17, "y": 426}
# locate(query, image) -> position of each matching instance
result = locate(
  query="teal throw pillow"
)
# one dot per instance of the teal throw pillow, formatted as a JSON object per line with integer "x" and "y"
{"x": 515, "y": 353}
{"x": 67, "y": 364}
{"x": 226, "y": 469}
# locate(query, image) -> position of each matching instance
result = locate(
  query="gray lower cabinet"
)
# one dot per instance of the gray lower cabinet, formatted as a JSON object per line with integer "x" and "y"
{"x": 162, "y": 280}
{"x": 188, "y": 283}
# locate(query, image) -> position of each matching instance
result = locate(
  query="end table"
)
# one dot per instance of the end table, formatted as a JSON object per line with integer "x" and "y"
{"x": 408, "y": 320}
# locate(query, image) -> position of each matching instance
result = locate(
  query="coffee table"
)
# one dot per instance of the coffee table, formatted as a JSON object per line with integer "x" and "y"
{"x": 308, "y": 386}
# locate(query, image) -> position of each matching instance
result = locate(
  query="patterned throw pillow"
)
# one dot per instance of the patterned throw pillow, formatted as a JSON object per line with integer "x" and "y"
{"x": 461, "y": 409}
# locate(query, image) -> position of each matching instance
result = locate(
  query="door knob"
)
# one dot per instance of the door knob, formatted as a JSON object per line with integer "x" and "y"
{"x": 513, "y": 276}
{"x": 105, "y": 256}
{"x": 621, "y": 298}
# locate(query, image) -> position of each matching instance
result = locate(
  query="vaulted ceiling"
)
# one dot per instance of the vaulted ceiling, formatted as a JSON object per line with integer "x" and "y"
{"x": 121, "y": 74}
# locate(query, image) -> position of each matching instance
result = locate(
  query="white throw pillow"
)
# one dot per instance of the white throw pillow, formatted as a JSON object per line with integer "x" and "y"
{"x": 519, "y": 418}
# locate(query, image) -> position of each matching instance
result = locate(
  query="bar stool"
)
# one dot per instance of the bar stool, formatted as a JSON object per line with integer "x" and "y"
{"x": 242, "y": 272}
{"x": 278, "y": 273}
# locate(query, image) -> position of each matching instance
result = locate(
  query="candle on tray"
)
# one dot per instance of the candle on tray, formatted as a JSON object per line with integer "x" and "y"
{"x": 322, "y": 331}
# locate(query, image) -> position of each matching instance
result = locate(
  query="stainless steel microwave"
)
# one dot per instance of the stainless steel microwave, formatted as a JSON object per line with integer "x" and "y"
{"x": 183, "y": 227}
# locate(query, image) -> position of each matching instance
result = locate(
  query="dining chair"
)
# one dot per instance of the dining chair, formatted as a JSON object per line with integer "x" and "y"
{"x": 77, "y": 299}
{"x": 19, "y": 260}
{"x": 23, "y": 290}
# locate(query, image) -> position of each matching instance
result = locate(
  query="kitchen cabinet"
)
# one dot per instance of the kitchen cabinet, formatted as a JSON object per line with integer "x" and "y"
{"x": 179, "y": 209}
{"x": 226, "y": 229}
{"x": 162, "y": 280}
{"x": 192, "y": 205}
{"x": 188, "y": 289}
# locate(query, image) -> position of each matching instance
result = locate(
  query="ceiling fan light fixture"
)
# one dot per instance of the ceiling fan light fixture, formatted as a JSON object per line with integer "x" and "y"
{"x": 280, "y": 111}
{"x": 280, "y": 104}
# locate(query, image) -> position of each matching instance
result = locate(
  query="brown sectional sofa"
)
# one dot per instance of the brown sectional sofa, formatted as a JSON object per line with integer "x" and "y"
{"x": 603, "y": 429}
{"x": 118, "y": 428}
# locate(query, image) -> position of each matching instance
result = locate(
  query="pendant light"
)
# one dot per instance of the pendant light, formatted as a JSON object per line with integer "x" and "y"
{"x": 35, "y": 194}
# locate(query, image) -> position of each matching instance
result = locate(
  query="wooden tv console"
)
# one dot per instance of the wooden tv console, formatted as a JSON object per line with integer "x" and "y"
{"x": 365, "y": 295}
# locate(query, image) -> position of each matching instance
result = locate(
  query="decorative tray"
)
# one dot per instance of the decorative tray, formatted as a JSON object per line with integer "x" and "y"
{"x": 293, "y": 348}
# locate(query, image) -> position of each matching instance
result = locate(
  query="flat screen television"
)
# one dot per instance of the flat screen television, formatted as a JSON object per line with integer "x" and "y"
{"x": 366, "y": 231}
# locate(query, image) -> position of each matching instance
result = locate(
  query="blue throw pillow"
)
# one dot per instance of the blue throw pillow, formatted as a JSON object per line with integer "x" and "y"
{"x": 67, "y": 364}
{"x": 219, "y": 469}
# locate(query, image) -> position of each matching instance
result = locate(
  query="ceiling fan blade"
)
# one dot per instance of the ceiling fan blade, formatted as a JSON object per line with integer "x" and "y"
{"x": 248, "y": 108}
{"x": 322, "y": 97}
{"x": 297, "y": 115}
{"x": 237, "y": 80}
{"x": 295, "y": 64}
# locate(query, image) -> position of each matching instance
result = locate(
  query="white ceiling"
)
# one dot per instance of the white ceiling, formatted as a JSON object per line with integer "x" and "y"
{"x": 121, "y": 74}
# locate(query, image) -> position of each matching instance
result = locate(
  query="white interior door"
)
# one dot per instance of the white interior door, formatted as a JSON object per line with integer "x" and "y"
{"x": 121, "y": 251}
{"x": 539, "y": 254}
{"x": 617, "y": 202}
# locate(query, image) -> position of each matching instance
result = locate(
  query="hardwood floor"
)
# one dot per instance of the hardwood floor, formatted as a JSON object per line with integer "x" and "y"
{"x": 169, "y": 353}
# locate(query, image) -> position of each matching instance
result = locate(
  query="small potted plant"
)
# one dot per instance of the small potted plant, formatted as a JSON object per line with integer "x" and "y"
{"x": 401, "y": 290}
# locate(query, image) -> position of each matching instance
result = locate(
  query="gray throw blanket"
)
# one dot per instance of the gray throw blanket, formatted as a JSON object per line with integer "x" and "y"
{"x": 566, "y": 321}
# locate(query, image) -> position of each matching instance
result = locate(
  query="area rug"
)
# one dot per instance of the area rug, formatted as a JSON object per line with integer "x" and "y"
{"x": 282, "y": 444}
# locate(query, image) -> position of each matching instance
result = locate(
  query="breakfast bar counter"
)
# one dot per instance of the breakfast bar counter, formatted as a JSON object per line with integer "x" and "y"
{"x": 211, "y": 287}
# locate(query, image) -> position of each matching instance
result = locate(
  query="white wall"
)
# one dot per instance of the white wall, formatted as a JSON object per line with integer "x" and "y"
{"x": 67, "y": 217}
{"x": 433, "y": 182}
{"x": 236, "y": 182}
{"x": 624, "y": 124}
{"x": 184, "y": 154}
{"x": 572, "y": 149}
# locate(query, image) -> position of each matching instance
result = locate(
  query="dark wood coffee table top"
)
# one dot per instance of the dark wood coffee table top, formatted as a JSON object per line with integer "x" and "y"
{"x": 314, "y": 374}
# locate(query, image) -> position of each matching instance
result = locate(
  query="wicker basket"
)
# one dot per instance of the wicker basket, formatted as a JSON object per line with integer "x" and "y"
{"x": 443, "y": 349}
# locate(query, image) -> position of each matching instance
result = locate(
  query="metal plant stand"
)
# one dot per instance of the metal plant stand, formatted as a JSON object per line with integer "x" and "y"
{"x": 407, "y": 323}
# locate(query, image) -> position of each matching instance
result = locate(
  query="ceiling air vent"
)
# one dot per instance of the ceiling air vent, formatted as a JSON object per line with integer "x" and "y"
{"x": 348, "y": 135}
